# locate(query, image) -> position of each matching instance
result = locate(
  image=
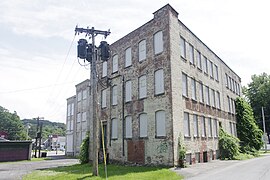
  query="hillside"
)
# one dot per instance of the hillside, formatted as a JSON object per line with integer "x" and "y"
{"x": 48, "y": 128}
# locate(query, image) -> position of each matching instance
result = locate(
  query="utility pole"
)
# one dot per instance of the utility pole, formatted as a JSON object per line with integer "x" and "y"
{"x": 264, "y": 130}
{"x": 36, "y": 137}
{"x": 40, "y": 137}
{"x": 92, "y": 33}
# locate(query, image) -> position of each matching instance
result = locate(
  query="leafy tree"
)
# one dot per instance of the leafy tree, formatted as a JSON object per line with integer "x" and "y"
{"x": 84, "y": 151}
{"x": 247, "y": 130}
{"x": 11, "y": 124}
{"x": 257, "y": 93}
{"x": 228, "y": 145}
{"x": 48, "y": 128}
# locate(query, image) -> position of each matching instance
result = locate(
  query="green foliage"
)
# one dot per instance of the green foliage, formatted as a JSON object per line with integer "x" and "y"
{"x": 242, "y": 156}
{"x": 228, "y": 145}
{"x": 84, "y": 151}
{"x": 181, "y": 152}
{"x": 257, "y": 92}
{"x": 247, "y": 130}
{"x": 11, "y": 124}
{"x": 48, "y": 128}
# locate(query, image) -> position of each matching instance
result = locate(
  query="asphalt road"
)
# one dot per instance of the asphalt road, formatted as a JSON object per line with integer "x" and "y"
{"x": 253, "y": 169}
{"x": 16, "y": 170}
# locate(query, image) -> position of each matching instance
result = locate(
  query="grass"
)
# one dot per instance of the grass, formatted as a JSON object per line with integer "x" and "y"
{"x": 115, "y": 172}
{"x": 243, "y": 156}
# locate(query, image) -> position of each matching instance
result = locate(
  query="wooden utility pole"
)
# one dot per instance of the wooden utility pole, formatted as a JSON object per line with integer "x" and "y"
{"x": 93, "y": 85}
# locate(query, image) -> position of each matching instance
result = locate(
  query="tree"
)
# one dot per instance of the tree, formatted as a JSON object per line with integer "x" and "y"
{"x": 258, "y": 95}
{"x": 84, "y": 151}
{"x": 228, "y": 145}
{"x": 11, "y": 124}
{"x": 248, "y": 132}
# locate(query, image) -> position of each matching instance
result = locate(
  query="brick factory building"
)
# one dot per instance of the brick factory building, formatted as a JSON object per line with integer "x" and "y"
{"x": 162, "y": 85}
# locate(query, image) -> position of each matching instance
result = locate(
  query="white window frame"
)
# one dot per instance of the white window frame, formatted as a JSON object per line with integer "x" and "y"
{"x": 159, "y": 82}
{"x": 114, "y": 134}
{"x": 142, "y": 87}
{"x": 184, "y": 85}
{"x": 128, "y": 91}
{"x": 158, "y": 42}
{"x": 104, "y": 98}
{"x": 128, "y": 57}
{"x": 142, "y": 50}
{"x": 104, "y": 68}
{"x": 114, "y": 95}
{"x": 143, "y": 125}
{"x": 160, "y": 117}
{"x": 115, "y": 63}
{"x": 128, "y": 127}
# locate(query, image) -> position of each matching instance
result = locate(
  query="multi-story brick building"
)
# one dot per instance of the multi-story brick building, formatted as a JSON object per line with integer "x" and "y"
{"x": 161, "y": 86}
{"x": 77, "y": 118}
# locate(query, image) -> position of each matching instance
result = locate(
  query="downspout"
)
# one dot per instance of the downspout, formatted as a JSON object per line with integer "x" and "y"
{"x": 123, "y": 113}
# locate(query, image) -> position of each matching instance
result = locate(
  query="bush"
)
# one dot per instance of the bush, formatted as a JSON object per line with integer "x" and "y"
{"x": 84, "y": 153}
{"x": 228, "y": 145}
{"x": 181, "y": 153}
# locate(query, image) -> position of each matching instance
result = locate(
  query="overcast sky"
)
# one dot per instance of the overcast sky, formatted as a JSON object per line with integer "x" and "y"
{"x": 38, "y": 72}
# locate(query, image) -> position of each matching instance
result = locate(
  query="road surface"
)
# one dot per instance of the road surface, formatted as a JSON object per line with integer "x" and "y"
{"x": 16, "y": 170}
{"x": 253, "y": 169}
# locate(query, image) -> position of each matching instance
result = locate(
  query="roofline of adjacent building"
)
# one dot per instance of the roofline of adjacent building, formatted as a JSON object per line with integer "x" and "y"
{"x": 170, "y": 7}
{"x": 87, "y": 80}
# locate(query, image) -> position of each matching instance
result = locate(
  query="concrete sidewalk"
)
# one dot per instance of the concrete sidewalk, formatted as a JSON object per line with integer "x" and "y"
{"x": 202, "y": 168}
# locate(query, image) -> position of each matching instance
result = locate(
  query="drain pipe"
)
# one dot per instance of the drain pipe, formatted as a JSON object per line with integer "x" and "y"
{"x": 123, "y": 113}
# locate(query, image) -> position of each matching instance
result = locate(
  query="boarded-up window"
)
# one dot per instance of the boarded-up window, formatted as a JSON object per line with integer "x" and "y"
{"x": 201, "y": 92}
{"x": 207, "y": 95}
{"x": 215, "y": 128}
{"x": 159, "y": 82}
{"x": 84, "y": 116}
{"x": 160, "y": 124}
{"x": 79, "y": 117}
{"x": 213, "y": 98}
{"x": 203, "y": 126}
{"x": 79, "y": 96}
{"x": 114, "y": 128}
{"x": 195, "y": 125}
{"x": 114, "y": 95}
{"x": 216, "y": 72}
{"x": 205, "y": 67}
{"x": 128, "y": 57}
{"x": 211, "y": 69}
{"x": 143, "y": 125}
{"x": 84, "y": 93}
{"x": 191, "y": 54}
{"x": 72, "y": 109}
{"x": 184, "y": 85}
{"x": 199, "y": 59}
{"x": 128, "y": 127}
{"x": 193, "y": 89}
{"x": 142, "y": 50}
{"x": 210, "y": 127}
{"x": 218, "y": 99}
{"x": 103, "y": 98}
{"x": 182, "y": 47}
{"x": 104, "y": 69}
{"x": 142, "y": 87}
{"x": 128, "y": 89}
{"x": 186, "y": 125}
{"x": 158, "y": 42}
{"x": 115, "y": 63}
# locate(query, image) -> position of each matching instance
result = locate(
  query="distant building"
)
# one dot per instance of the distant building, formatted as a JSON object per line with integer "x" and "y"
{"x": 77, "y": 118}
{"x": 57, "y": 142}
{"x": 162, "y": 85}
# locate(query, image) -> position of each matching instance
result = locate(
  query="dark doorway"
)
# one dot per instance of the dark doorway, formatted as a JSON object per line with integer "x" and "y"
{"x": 136, "y": 151}
{"x": 205, "y": 159}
